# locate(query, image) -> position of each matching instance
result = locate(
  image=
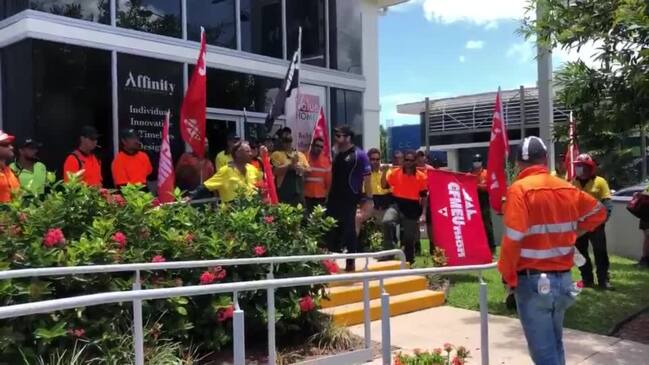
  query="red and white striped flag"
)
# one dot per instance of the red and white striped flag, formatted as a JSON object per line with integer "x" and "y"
{"x": 166, "y": 176}
{"x": 572, "y": 150}
{"x": 321, "y": 130}
{"x": 498, "y": 151}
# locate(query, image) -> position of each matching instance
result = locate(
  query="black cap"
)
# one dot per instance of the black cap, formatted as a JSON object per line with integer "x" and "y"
{"x": 89, "y": 131}
{"x": 30, "y": 142}
{"x": 477, "y": 157}
{"x": 127, "y": 133}
{"x": 532, "y": 149}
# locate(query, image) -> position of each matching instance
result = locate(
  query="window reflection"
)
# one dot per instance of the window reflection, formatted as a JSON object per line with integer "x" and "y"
{"x": 347, "y": 108}
{"x": 97, "y": 11}
{"x": 218, "y": 19}
{"x": 345, "y": 42}
{"x": 310, "y": 15}
{"x": 261, "y": 27}
{"x": 154, "y": 16}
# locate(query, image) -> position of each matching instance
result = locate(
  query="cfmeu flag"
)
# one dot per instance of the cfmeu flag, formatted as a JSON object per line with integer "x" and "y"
{"x": 573, "y": 150}
{"x": 498, "y": 151}
{"x": 456, "y": 218}
{"x": 166, "y": 176}
{"x": 192, "y": 112}
{"x": 321, "y": 130}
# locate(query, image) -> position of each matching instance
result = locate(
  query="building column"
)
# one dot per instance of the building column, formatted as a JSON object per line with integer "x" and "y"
{"x": 370, "y": 52}
{"x": 453, "y": 159}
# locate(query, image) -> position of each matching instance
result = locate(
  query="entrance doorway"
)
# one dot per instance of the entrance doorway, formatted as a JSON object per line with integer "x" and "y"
{"x": 217, "y": 131}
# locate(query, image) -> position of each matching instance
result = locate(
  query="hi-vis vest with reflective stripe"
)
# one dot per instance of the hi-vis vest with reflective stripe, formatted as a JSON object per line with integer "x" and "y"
{"x": 318, "y": 179}
{"x": 542, "y": 216}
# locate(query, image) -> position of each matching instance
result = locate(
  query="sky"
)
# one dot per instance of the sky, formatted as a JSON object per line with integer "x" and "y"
{"x": 444, "y": 48}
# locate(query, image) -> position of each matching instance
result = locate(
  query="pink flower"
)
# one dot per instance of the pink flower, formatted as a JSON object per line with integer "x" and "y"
{"x": 189, "y": 238}
{"x": 53, "y": 237}
{"x": 331, "y": 266}
{"x": 120, "y": 239}
{"x": 580, "y": 284}
{"x": 155, "y": 202}
{"x": 437, "y": 351}
{"x": 220, "y": 273}
{"x": 77, "y": 332}
{"x": 259, "y": 250}
{"x": 207, "y": 278}
{"x": 158, "y": 258}
{"x": 448, "y": 347}
{"x": 269, "y": 219}
{"x": 105, "y": 193}
{"x": 22, "y": 217}
{"x": 457, "y": 361}
{"x": 306, "y": 303}
{"x": 119, "y": 200}
{"x": 224, "y": 314}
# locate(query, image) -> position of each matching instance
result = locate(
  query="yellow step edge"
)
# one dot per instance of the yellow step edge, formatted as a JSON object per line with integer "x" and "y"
{"x": 353, "y": 293}
{"x": 377, "y": 266}
{"x": 351, "y": 314}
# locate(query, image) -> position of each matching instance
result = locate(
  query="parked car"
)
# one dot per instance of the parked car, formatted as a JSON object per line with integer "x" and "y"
{"x": 626, "y": 193}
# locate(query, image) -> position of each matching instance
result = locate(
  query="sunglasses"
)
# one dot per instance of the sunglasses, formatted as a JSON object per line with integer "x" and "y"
{"x": 318, "y": 146}
{"x": 409, "y": 160}
{"x": 375, "y": 159}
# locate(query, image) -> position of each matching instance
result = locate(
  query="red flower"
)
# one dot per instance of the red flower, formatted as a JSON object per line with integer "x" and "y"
{"x": 269, "y": 219}
{"x": 119, "y": 200}
{"x": 437, "y": 351}
{"x": 580, "y": 284}
{"x": 220, "y": 273}
{"x": 105, "y": 193}
{"x": 22, "y": 217}
{"x": 224, "y": 314}
{"x": 189, "y": 238}
{"x": 306, "y": 303}
{"x": 53, "y": 237}
{"x": 77, "y": 332}
{"x": 448, "y": 347}
{"x": 207, "y": 278}
{"x": 457, "y": 361}
{"x": 259, "y": 250}
{"x": 158, "y": 258}
{"x": 155, "y": 202}
{"x": 331, "y": 266}
{"x": 120, "y": 239}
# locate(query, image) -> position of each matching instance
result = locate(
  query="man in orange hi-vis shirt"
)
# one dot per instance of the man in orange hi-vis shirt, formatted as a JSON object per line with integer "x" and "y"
{"x": 130, "y": 166}
{"x": 543, "y": 217}
{"x": 9, "y": 184}
{"x": 480, "y": 172}
{"x": 83, "y": 160}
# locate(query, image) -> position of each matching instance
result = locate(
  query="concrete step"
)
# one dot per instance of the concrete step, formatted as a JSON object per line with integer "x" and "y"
{"x": 352, "y": 293}
{"x": 376, "y": 266}
{"x": 351, "y": 314}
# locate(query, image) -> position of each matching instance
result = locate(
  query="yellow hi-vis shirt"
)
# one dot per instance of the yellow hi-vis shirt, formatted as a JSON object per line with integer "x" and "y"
{"x": 229, "y": 181}
{"x": 597, "y": 188}
{"x": 222, "y": 160}
{"x": 377, "y": 188}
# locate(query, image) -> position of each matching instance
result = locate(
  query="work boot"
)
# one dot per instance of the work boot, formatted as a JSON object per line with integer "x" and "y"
{"x": 605, "y": 285}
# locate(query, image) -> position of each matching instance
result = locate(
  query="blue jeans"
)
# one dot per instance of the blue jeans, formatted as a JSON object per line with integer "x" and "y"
{"x": 542, "y": 316}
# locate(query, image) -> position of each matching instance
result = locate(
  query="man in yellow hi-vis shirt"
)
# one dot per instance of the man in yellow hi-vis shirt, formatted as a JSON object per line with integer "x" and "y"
{"x": 597, "y": 187}
{"x": 236, "y": 177}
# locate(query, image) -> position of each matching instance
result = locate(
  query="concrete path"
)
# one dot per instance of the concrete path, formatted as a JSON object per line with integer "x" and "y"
{"x": 432, "y": 328}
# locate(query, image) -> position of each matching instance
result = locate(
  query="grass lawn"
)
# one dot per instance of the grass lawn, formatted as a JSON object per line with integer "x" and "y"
{"x": 595, "y": 311}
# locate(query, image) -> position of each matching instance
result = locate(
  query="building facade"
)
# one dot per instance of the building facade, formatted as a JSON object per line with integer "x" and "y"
{"x": 461, "y": 125}
{"x": 124, "y": 63}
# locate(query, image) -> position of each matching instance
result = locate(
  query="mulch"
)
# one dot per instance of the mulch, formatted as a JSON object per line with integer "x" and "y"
{"x": 636, "y": 329}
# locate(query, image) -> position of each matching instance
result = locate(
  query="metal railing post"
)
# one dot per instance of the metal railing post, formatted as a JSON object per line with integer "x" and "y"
{"x": 238, "y": 336}
{"x": 366, "y": 308}
{"x": 484, "y": 322}
{"x": 385, "y": 326}
{"x": 270, "y": 293}
{"x": 138, "y": 330}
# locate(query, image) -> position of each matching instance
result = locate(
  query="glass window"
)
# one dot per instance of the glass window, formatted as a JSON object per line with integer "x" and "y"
{"x": 56, "y": 89}
{"x": 218, "y": 19}
{"x": 347, "y": 108}
{"x": 11, "y": 7}
{"x": 153, "y": 16}
{"x": 310, "y": 15}
{"x": 345, "y": 40}
{"x": 97, "y": 11}
{"x": 261, "y": 27}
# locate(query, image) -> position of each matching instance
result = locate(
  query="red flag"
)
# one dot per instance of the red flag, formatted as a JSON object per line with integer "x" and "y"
{"x": 573, "y": 150}
{"x": 166, "y": 177}
{"x": 321, "y": 130}
{"x": 456, "y": 219}
{"x": 192, "y": 112}
{"x": 498, "y": 151}
{"x": 269, "y": 180}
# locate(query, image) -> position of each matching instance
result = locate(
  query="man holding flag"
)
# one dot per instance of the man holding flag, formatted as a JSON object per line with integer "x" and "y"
{"x": 498, "y": 151}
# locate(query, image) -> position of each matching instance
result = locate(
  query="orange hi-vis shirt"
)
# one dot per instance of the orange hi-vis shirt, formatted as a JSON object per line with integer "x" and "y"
{"x": 89, "y": 163}
{"x": 542, "y": 216}
{"x": 131, "y": 169}
{"x": 8, "y": 184}
{"x": 406, "y": 186}
{"x": 482, "y": 179}
{"x": 318, "y": 179}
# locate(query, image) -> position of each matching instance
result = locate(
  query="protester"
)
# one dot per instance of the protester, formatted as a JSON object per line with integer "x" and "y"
{"x": 318, "y": 177}
{"x": 597, "y": 187}
{"x": 483, "y": 198}
{"x": 423, "y": 166}
{"x": 31, "y": 173}
{"x": 225, "y": 157}
{"x": 542, "y": 218}
{"x": 422, "y": 162}
{"x": 644, "y": 227}
{"x": 131, "y": 165}
{"x": 382, "y": 198}
{"x": 289, "y": 168}
{"x": 237, "y": 177}
{"x": 560, "y": 167}
{"x": 192, "y": 170}
{"x": 9, "y": 184}
{"x": 409, "y": 187}
{"x": 397, "y": 158}
{"x": 83, "y": 160}
{"x": 350, "y": 172}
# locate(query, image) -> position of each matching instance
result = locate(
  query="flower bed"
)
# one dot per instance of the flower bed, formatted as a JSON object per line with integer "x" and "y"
{"x": 448, "y": 355}
{"x": 76, "y": 225}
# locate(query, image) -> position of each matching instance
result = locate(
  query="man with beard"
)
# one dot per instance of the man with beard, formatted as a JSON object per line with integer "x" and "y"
{"x": 31, "y": 173}
{"x": 130, "y": 166}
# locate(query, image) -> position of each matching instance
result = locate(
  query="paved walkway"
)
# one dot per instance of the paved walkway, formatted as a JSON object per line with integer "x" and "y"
{"x": 432, "y": 328}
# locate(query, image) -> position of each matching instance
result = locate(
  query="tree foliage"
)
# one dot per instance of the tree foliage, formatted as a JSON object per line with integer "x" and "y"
{"x": 610, "y": 97}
